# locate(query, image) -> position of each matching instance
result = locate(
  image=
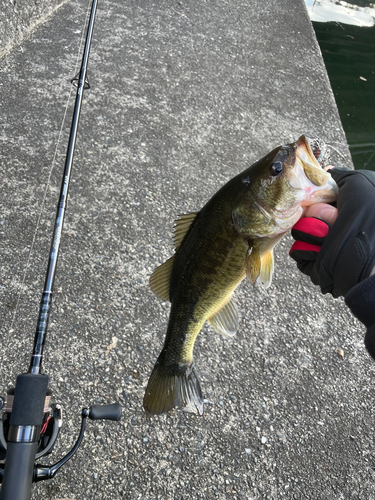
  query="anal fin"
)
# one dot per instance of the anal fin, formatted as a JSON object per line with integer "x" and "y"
{"x": 159, "y": 280}
{"x": 226, "y": 319}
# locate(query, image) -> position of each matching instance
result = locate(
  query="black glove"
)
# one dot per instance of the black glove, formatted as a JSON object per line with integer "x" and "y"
{"x": 338, "y": 256}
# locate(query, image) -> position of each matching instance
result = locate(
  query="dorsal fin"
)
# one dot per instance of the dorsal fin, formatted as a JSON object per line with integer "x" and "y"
{"x": 181, "y": 227}
{"x": 159, "y": 279}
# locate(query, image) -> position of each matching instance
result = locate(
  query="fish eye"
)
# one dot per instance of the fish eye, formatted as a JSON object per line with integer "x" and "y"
{"x": 277, "y": 168}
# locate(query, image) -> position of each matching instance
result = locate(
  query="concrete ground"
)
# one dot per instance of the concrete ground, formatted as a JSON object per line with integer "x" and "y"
{"x": 19, "y": 18}
{"x": 184, "y": 96}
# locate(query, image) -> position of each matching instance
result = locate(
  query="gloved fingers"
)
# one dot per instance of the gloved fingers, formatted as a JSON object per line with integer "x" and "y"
{"x": 310, "y": 230}
{"x": 338, "y": 256}
{"x": 301, "y": 251}
{"x": 305, "y": 255}
{"x": 340, "y": 175}
{"x": 309, "y": 233}
{"x": 306, "y": 267}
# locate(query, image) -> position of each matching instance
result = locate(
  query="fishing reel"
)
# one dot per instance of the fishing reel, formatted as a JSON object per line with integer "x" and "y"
{"x": 52, "y": 422}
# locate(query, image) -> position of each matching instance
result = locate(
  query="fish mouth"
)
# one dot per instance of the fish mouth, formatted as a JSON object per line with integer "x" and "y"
{"x": 308, "y": 174}
{"x": 319, "y": 151}
{"x": 310, "y": 159}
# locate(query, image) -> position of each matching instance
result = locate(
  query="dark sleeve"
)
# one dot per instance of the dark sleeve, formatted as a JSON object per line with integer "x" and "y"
{"x": 361, "y": 301}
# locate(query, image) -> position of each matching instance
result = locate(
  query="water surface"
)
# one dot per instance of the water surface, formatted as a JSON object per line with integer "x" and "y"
{"x": 349, "y": 55}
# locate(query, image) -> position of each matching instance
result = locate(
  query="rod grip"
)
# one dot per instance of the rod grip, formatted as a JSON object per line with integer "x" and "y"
{"x": 29, "y": 396}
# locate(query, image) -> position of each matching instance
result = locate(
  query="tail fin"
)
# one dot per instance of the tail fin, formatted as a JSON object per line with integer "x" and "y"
{"x": 177, "y": 389}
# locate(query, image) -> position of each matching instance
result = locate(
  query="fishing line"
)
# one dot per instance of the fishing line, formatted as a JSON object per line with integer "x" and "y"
{"x": 337, "y": 151}
{"x": 21, "y": 286}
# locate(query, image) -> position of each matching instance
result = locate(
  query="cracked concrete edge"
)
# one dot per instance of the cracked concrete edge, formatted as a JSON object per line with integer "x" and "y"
{"x": 19, "y": 20}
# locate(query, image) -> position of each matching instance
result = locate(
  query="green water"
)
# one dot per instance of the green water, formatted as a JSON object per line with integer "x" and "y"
{"x": 349, "y": 56}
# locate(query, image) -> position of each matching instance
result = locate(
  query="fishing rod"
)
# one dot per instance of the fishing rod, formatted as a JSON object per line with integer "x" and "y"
{"x": 30, "y": 424}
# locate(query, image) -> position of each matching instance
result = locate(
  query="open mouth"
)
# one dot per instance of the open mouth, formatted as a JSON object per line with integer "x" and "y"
{"x": 312, "y": 153}
{"x": 319, "y": 150}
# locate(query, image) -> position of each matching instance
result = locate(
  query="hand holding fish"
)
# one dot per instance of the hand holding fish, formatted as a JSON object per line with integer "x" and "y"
{"x": 322, "y": 211}
{"x": 339, "y": 256}
{"x": 231, "y": 237}
{"x": 338, "y": 251}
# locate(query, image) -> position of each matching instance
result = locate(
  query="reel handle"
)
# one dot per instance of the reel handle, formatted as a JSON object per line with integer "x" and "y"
{"x": 105, "y": 412}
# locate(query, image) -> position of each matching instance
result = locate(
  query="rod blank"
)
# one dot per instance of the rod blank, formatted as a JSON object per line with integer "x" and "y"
{"x": 46, "y": 300}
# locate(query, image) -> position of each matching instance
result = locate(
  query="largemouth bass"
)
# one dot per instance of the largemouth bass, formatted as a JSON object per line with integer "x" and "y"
{"x": 231, "y": 237}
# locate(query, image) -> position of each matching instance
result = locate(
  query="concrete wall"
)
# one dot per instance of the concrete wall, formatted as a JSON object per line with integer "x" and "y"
{"x": 18, "y": 18}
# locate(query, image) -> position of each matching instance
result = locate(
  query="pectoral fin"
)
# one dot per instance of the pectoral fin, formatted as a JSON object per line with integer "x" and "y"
{"x": 266, "y": 269}
{"x": 252, "y": 264}
{"x": 226, "y": 319}
{"x": 159, "y": 280}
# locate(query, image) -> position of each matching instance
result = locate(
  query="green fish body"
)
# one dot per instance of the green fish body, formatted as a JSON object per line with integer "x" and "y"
{"x": 232, "y": 236}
